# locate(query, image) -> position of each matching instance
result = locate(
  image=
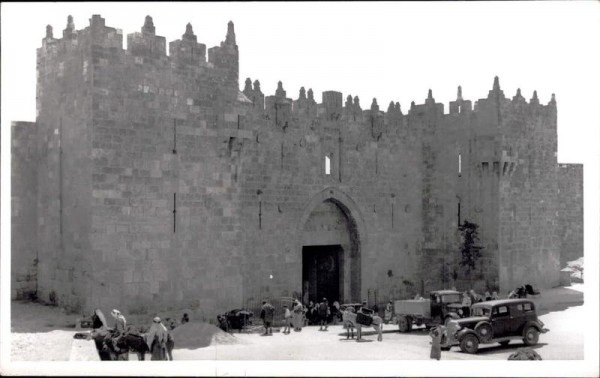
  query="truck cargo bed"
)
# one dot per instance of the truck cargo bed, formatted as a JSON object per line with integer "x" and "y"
{"x": 418, "y": 308}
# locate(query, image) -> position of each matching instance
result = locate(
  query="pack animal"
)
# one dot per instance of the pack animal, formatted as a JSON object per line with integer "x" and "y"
{"x": 349, "y": 322}
{"x": 120, "y": 351}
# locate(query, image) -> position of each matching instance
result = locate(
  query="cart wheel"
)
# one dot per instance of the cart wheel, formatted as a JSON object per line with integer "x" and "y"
{"x": 403, "y": 324}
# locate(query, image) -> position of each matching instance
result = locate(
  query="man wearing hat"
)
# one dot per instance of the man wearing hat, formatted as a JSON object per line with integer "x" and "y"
{"x": 324, "y": 313}
{"x": 156, "y": 338}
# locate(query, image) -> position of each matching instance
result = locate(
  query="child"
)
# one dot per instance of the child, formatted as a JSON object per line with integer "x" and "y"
{"x": 287, "y": 319}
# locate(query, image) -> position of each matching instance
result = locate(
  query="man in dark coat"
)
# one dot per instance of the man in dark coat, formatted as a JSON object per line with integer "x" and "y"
{"x": 324, "y": 313}
{"x": 266, "y": 314}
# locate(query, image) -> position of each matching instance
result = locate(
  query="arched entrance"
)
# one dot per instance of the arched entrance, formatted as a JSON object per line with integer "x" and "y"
{"x": 331, "y": 235}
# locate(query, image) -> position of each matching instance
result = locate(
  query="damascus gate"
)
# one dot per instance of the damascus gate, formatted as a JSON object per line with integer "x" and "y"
{"x": 155, "y": 179}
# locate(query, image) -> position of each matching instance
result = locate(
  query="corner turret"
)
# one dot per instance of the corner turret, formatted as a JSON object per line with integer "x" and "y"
{"x": 230, "y": 37}
{"x": 279, "y": 107}
{"x": 374, "y": 106}
{"x": 148, "y": 27}
{"x": 460, "y": 106}
{"x": 187, "y": 50}
{"x": 518, "y": 97}
{"x": 496, "y": 92}
{"x": 226, "y": 58}
{"x": 146, "y": 43}
{"x": 534, "y": 100}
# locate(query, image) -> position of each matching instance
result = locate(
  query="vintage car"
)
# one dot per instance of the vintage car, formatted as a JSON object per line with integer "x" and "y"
{"x": 498, "y": 321}
{"x": 235, "y": 319}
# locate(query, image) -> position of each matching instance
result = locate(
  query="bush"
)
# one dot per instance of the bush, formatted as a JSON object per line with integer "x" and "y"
{"x": 525, "y": 354}
{"x": 469, "y": 249}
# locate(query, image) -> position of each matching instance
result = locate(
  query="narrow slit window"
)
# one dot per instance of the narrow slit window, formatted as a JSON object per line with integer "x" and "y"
{"x": 327, "y": 165}
{"x": 459, "y": 165}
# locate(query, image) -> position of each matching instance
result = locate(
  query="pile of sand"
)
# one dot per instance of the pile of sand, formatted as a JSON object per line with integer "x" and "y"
{"x": 195, "y": 335}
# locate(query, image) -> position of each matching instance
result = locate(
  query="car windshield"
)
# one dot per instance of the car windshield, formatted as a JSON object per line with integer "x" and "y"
{"x": 480, "y": 311}
{"x": 451, "y": 298}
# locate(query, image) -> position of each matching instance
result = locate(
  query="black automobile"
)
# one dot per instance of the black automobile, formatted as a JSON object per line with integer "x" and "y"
{"x": 235, "y": 319}
{"x": 498, "y": 321}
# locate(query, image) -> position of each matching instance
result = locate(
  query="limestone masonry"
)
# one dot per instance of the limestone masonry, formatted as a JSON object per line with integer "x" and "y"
{"x": 150, "y": 181}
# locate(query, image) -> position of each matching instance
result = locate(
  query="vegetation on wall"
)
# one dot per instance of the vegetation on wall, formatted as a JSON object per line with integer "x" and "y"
{"x": 469, "y": 246}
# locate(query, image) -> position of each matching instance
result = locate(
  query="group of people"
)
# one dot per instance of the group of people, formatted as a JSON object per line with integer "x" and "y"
{"x": 293, "y": 317}
{"x": 322, "y": 313}
{"x": 156, "y": 337}
{"x": 471, "y": 297}
{"x": 297, "y": 315}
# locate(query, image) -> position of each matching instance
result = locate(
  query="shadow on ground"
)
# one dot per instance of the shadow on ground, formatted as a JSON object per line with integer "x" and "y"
{"x": 512, "y": 347}
{"x": 557, "y": 299}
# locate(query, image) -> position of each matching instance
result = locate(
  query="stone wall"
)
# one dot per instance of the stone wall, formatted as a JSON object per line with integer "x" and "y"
{"x": 161, "y": 186}
{"x": 570, "y": 211}
{"x": 374, "y": 179}
{"x": 24, "y": 217}
{"x": 529, "y": 233}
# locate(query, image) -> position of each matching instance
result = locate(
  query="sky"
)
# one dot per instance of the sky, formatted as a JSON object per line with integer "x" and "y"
{"x": 389, "y": 51}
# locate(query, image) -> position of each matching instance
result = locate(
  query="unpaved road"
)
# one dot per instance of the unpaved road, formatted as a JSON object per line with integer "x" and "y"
{"x": 561, "y": 309}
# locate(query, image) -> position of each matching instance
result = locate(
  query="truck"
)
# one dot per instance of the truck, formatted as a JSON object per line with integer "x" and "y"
{"x": 441, "y": 307}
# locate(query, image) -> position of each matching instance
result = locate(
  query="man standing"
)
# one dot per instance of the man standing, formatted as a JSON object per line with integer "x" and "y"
{"x": 266, "y": 314}
{"x": 156, "y": 339}
{"x": 287, "y": 320}
{"x": 324, "y": 312}
{"x": 466, "y": 304}
{"x": 436, "y": 339}
{"x": 387, "y": 315}
{"x": 298, "y": 315}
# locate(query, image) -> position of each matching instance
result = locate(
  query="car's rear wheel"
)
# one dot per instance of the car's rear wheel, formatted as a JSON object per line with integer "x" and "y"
{"x": 403, "y": 324}
{"x": 485, "y": 331}
{"x": 531, "y": 336}
{"x": 469, "y": 344}
{"x": 505, "y": 342}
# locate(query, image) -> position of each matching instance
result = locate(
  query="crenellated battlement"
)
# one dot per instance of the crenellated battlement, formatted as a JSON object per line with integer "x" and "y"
{"x": 146, "y": 46}
{"x": 187, "y": 54}
{"x": 332, "y": 104}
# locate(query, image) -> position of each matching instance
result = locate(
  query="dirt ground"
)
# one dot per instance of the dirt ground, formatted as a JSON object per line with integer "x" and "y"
{"x": 43, "y": 333}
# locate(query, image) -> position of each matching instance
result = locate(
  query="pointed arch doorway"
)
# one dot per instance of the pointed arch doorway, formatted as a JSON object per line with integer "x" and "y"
{"x": 332, "y": 234}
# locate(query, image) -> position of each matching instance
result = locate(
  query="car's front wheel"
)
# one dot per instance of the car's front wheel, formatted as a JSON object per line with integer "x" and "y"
{"x": 531, "y": 336}
{"x": 469, "y": 344}
{"x": 485, "y": 331}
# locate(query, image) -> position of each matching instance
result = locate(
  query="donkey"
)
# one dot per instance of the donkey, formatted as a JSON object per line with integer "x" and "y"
{"x": 349, "y": 321}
